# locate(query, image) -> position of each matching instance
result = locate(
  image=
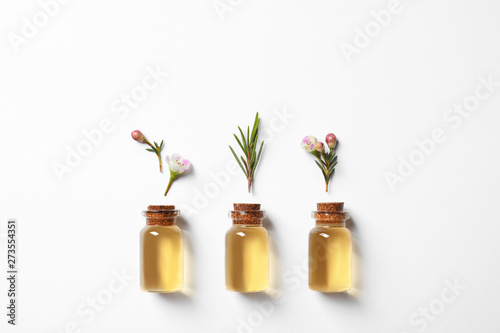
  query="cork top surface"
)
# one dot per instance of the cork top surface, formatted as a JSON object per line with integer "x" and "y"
{"x": 161, "y": 207}
{"x": 330, "y": 206}
{"x": 246, "y": 206}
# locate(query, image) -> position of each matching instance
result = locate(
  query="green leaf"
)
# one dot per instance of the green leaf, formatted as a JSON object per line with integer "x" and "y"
{"x": 245, "y": 164}
{"x": 151, "y": 150}
{"x": 252, "y": 158}
{"x": 258, "y": 158}
{"x": 332, "y": 167}
{"x": 237, "y": 160}
{"x": 322, "y": 170}
{"x": 248, "y": 137}
{"x": 322, "y": 162}
{"x": 255, "y": 127}
{"x": 243, "y": 139}
{"x": 254, "y": 144}
{"x": 255, "y": 138}
{"x": 260, "y": 151}
{"x": 239, "y": 142}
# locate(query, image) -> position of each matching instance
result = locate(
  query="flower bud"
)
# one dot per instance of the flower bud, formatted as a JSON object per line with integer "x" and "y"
{"x": 308, "y": 143}
{"x": 319, "y": 146}
{"x": 138, "y": 136}
{"x": 331, "y": 140}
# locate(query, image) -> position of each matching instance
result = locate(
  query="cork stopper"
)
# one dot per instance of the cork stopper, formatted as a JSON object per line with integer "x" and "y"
{"x": 247, "y": 213}
{"x": 161, "y": 215}
{"x": 330, "y": 213}
{"x": 246, "y": 206}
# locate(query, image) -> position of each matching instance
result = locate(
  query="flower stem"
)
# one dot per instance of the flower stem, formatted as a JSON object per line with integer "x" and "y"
{"x": 325, "y": 169}
{"x": 159, "y": 160}
{"x": 156, "y": 152}
{"x": 169, "y": 184}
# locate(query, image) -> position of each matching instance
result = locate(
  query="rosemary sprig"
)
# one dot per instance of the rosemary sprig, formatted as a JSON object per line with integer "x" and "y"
{"x": 248, "y": 145}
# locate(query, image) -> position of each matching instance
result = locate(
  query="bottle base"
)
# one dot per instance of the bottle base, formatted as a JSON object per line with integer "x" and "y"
{"x": 330, "y": 290}
{"x": 161, "y": 291}
{"x": 249, "y": 291}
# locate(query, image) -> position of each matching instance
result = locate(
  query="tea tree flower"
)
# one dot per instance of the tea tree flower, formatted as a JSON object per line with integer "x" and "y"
{"x": 326, "y": 161}
{"x": 248, "y": 145}
{"x": 177, "y": 166}
{"x": 331, "y": 140}
{"x": 138, "y": 136}
{"x": 308, "y": 143}
{"x": 156, "y": 148}
{"x": 320, "y": 147}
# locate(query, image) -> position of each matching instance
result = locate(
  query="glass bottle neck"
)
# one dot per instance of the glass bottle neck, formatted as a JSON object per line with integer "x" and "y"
{"x": 330, "y": 224}
{"x": 162, "y": 222}
{"x": 247, "y": 222}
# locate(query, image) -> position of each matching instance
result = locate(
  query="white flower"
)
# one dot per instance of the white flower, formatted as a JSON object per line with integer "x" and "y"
{"x": 177, "y": 164}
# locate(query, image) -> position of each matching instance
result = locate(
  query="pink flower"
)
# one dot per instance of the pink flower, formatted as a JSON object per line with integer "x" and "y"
{"x": 308, "y": 143}
{"x": 331, "y": 140}
{"x": 138, "y": 136}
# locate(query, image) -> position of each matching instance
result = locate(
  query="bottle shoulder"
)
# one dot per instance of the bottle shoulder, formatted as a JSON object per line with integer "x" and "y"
{"x": 170, "y": 229}
{"x": 330, "y": 231}
{"x": 246, "y": 230}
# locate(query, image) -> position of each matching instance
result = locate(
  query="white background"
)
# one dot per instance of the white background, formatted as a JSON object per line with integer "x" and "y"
{"x": 440, "y": 224}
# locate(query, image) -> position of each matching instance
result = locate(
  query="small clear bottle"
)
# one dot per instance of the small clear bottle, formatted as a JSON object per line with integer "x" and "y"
{"x": 161, "y": 250}
{"x": 247, "y": 250}
{"x": 330, "y": 249}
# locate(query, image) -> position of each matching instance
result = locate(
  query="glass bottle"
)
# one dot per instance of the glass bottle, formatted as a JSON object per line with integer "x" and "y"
{"x": 330, "y": 249}
{"x": 247, "y": 250}
{"x": 161, "y": 250}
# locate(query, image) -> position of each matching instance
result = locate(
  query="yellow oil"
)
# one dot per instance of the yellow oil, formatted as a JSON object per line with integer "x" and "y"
{"x": 330, "y": 251}
{"x": 161, "y": 259}
{"x": 247, "y": 259}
